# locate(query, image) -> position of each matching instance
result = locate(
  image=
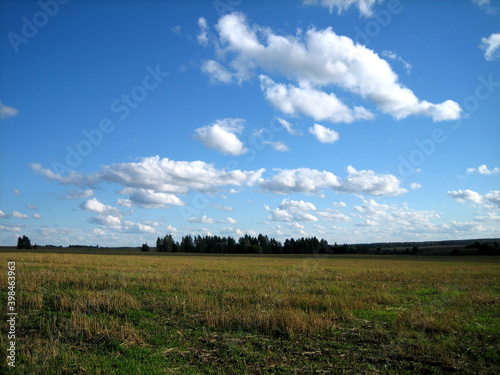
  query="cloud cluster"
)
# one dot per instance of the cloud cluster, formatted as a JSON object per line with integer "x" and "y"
{"x": 365, "y": 7}
{"x": 290, "y": 210}
{"x": 221, "y": 136}
{"x": 315, "y": 60}
{"x": 323, "y": 134}
{"x": 489, "y": 200}
{"x": 491, "y": 47}
{"x": 153, "y": 183}
{"x": 310, "y": 101}
{"x": 112, "y": 218}
{"x": 300, "y": 211}
{"x": 483, "y": 169}
{"x": 146, "y": 179}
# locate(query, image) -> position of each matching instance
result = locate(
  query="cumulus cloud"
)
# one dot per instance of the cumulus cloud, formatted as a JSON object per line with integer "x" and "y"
{"x": 483, "y": 169}
{"x": 18, "y": 215}
{"x": 334, "y": 216}
{"x": 466, "y": 195}
{"x": 79, "y": 194}
{"x": 365, "y": 7}
{"x": 290, "y": 210}
{"x": 216, "y": 71}
{"x": 489, "y": 200}
{"x": 6, "y": 111}
{"x": 491, "y": 47}
{"x": 415, "y": 185}
{"x": 3, "y": 215}
{"x": 312, "y": 102}
{"x": 93, "y": 205}
{"x": 371, "y": 183}
{"x": 201, "y": 220}
{"x": 395, "y": 217}
{"x": 160, "y": 175}
{"x": 315, "y": 60}
{"x": 301, "y": 180}
{"x": 229, "y": 220}
{"x": 221, "y": 136}
{"x": 148, "y": 198}
{"x": 36, "y": 216}
{"x": 278, "y": 145}
{"x": 323, "y": 134}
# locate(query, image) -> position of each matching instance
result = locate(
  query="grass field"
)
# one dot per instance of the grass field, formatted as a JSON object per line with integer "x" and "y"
{"x": 150, "y": 314}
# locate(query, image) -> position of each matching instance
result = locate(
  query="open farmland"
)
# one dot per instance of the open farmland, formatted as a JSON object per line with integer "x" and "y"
{"x": 136, "y": 314}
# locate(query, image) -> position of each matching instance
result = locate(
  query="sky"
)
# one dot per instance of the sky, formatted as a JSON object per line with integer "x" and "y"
{"x": 355, "y": 121}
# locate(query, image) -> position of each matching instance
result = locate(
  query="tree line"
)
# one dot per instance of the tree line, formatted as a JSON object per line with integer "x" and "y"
{"x": 247, "y": 244}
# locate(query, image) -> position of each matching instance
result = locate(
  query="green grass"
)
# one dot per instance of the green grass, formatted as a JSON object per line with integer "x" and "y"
{"x": 126, "y": 314}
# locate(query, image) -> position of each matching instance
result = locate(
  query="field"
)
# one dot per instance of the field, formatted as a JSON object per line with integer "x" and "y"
{"x": 157, "y": 314}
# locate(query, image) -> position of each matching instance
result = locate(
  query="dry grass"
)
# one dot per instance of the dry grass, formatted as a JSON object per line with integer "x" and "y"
{"x": 398, "y": 307}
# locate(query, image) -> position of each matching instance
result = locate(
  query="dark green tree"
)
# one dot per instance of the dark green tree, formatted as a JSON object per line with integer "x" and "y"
{"x": 23, "y": 243}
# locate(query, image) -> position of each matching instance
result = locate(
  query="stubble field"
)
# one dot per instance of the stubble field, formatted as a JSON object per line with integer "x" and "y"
{"x": 152, "y": 314}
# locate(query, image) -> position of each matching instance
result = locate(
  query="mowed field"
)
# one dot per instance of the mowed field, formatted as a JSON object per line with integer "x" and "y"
{"x": 161, "y": 314}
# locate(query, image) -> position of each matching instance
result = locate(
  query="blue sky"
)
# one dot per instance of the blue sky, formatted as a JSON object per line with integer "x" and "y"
{"x": 349, "y": 120}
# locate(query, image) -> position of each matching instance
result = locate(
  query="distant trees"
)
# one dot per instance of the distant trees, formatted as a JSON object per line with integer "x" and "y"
{"x": 247, "y": 244}
{"x": 23, "y": 243}
{"x": 145, "y": 247}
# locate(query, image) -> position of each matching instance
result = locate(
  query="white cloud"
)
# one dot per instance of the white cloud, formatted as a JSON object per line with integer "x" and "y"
{"x": 8, "y": 228}
{"x": 339, "y": 204}
{"x": 365, "y": 7}
{"x": 288, "y": 126}
{"x": 32, "y": 207}
{"x": 130, "y": 227}
{"x": 6, "y": 111}
{"x": 18, "y": 192}
{"x": 79, "y": 194}
{"x": 278, "y": 146}
{"x": 492, "y": 199}
{"x": 303, "y": 180}
{"x": 467, "y": 195}
{"x": 316, "y": 59}
{"x": 371, "y": 183}
{"x": 395, "y": 218}
{"x": 415, "y": 185}
{"x": 293, "y": 211}
{"x": 36, "y": 216}
{"x": 148, "y": 198}
{"x": 220, "y": 207}
{"x": 393, "y": 56}
{"x": 485, "y": 5}
{"x": 489, "y": 200}
{"x": 216, "y": 71}
{"x": 483, "y": 169}
{"x": 18, "y": 215}
{"x": 323, "y": 134}
{"x": 491, "y": 46}
{"x": 221, "y": 136}
{"x": 106, "y": 220}
{"x": 159, "y": 175}
{"x": 333, "y": 216}
{"x": 201, "y": 220}
{"x": 93, "y": 205}
{"x": 3, "y": 215}
{"x": 305, "y": 99}
{"x": 229, "y": 220}
{"x": 202, "y": 37}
